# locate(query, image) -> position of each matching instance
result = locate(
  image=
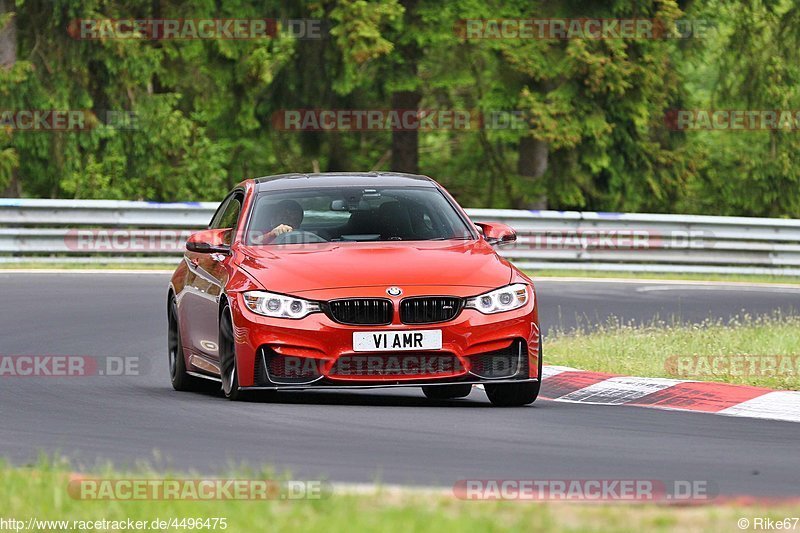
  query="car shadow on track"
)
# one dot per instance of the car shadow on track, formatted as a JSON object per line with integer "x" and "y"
{"x": 367, "y": 398}
{"x": 378, "y": 397}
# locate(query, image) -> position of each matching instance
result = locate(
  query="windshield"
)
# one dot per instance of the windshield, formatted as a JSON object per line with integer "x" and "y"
{"x": 354, "y": 214}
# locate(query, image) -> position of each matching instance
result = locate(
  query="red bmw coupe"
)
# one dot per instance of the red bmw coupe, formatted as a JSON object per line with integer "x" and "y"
{"x": 352, "y": 280}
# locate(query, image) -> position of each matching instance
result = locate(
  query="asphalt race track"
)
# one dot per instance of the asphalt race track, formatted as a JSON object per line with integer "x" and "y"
{"x": 392, "y": 436}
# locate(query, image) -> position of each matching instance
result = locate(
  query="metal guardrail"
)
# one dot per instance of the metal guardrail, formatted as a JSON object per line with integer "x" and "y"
{"x": 94, "y": 231}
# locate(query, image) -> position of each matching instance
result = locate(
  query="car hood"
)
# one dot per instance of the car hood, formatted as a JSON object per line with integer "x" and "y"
{"x": 301, "y": 268}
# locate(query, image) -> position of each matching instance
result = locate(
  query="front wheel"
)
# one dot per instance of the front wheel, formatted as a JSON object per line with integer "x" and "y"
{"x": 181, "y": 380}
{"x": 229, "y": 372}
{"x": 513, "y": 394}
{"x": 446, "y": 392}
{"x": 516, "y": 394}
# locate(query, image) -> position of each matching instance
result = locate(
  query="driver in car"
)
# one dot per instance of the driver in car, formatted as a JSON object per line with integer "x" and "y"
{"x": 287, "y": 216}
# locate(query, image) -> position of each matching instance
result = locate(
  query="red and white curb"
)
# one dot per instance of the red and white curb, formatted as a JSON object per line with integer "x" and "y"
{"x": 564, "y": 384}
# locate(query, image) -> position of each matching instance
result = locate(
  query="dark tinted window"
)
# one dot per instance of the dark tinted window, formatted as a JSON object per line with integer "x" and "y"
{"x": 355, "y": 214}
{"x": 229, "y": 216}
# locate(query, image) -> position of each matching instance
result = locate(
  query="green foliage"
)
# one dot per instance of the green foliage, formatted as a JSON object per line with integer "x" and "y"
{"x": 754, "y": 66}
{"x": 203, "y": 108}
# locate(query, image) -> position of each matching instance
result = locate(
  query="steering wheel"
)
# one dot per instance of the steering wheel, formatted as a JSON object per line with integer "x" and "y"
{"x": 297, "y": 237}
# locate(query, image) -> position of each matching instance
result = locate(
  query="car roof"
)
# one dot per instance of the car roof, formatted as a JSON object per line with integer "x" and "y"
{"x": 342, "y": 179}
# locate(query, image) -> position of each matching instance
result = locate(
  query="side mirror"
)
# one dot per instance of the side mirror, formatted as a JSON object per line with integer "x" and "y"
{"x": 496, "y": 233}
{"x": 210, "y": 241}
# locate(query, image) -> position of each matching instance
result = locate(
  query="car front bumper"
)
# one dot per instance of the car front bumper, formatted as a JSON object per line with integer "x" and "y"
{"x": 476, "y": 349}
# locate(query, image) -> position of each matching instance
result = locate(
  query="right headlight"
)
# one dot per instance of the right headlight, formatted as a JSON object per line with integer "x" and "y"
{"x": 499, "y": 300}
{"x": 279, "y": 305}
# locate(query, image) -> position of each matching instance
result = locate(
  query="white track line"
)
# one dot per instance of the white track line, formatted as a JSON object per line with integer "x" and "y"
{"x": 778, "y": 405}
{"x": 370, "y": 489}
{"x": 724, "y": 288}
{"x": 548, "y": 371}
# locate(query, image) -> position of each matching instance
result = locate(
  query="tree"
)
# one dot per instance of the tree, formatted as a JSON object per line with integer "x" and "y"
{"x": 587, "y": 128}
{"x": 9, "y": 72}
{"x": 754, "y": 64}
{"x": 405, "y": 144}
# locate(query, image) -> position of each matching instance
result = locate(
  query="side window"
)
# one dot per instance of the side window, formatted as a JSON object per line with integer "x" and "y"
{"x": 214, "y": 224}
{"x": 228, "y": 217}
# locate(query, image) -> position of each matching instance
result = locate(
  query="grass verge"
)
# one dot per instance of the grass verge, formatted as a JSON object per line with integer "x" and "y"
{"x": 760, "y": 351}
{"x": 41, "y": 493}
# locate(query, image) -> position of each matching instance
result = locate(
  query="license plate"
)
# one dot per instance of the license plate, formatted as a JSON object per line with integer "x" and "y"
{"x": 397, "y": 341}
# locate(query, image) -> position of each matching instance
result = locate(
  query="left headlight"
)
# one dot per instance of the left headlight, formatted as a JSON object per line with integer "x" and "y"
{"x": 503, "y": 299}
{"x": 279, "y": 305}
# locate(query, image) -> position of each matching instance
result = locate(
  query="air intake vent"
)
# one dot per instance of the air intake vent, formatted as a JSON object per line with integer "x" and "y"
{"x": 506, "y": 363}
{"x": 429, "y": 309}
{"x": 275, "y": 369}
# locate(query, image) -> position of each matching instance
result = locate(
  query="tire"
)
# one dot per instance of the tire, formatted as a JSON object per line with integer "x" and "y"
{"x": 513, "y": 394}
{"x": 181, "y": 380}
{"x": 516, "y": 394}
{"x": 229, "y": 372}
{"x": 446, "y": 392}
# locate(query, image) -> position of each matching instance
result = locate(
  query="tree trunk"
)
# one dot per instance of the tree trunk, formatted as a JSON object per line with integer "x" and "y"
{"x": 8, "y": 36}
{"x": 8, "y": 57}
{"x": 338, "y": 160}
{"x": 531, "y": 165}
{"x": 405, "y": 143}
